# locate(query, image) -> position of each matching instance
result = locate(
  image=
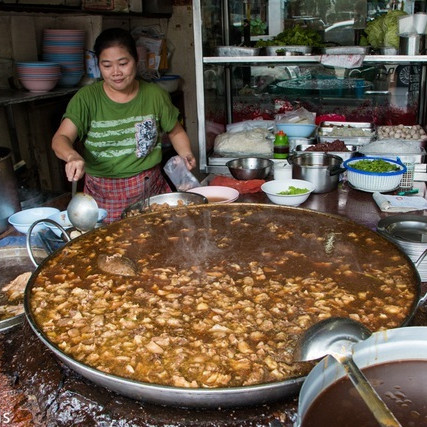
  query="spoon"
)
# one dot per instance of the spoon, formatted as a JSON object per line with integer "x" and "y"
{"x": 335, "y": 337}
{"x": 83, "y": 212}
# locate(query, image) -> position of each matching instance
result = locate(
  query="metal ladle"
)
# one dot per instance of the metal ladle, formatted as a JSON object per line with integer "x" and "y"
{"x": 335, "y": 337}
{"x": 83, "y": 212}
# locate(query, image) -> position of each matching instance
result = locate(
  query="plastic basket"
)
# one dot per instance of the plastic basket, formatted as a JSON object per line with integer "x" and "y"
{"x": 374, "y": 181}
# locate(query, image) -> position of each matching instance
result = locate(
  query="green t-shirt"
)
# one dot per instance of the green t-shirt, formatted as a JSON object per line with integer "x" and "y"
{"x": 121, "y": 140}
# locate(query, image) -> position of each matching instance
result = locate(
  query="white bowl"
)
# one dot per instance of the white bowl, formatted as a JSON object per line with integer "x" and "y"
{"x": 62, "y": 219}
{"x": 169, "y": 82}
{"x": 22, "y": 220}
{"x": 217, "y": 193}
{"x": 297, "y": 130}
{"x": 273, "y": 188}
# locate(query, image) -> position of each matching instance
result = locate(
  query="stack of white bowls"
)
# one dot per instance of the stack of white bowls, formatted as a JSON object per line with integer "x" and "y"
{"x": 38, "y": 76}
{"x": 65, "y": 47}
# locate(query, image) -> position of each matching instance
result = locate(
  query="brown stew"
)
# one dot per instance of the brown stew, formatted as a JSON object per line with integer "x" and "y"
{"x": 220, "y": 293}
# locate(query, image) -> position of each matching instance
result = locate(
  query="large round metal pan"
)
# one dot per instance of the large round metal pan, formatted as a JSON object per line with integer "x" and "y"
{"x": 211, "y": 397}
{"x": 14, "y": 261}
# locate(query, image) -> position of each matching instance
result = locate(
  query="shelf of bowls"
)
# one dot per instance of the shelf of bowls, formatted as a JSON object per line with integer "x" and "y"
{"x": 62, "y": 65}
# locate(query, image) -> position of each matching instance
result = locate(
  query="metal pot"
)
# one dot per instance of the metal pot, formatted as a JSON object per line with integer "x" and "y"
{"x": 9, "y": 198}
{"x": 311, "y": 221}
{"x": 394, "y": 345}
{"x": 322, "y": 169}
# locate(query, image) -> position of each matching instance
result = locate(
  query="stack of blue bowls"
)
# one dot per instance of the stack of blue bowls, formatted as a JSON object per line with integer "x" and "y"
{"x": 65, "y": 47}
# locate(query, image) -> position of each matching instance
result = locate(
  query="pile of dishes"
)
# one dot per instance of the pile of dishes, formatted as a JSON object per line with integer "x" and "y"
{"x": 65, "y": 47}
{"x": 38, "y": 76}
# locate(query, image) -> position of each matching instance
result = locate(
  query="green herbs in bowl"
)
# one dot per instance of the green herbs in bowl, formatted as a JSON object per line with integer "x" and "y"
{"x": 374, "y": 173}
{"x": 289, "y": 192}
{"x": 376, "y": 165}
{"x": 293, "y": 190}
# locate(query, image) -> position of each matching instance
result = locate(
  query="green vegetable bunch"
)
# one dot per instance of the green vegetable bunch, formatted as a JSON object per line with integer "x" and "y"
{"x": 295, "y": 36}
{"x": 292, "y": 191}
{"x": 384, "y": 30}
{"x": 377, "y": 165}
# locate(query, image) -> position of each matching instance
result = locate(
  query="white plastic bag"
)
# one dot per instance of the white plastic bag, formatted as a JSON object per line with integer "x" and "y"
{"x": 180, "y": 176}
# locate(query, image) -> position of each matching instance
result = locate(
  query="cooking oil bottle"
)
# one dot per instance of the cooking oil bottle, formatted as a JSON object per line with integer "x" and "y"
{"x": 281, "y": 145}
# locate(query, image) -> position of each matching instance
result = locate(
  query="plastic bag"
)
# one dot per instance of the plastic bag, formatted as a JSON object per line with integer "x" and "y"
{"x": 300, "y": 116}
{"x": 180, "y": 176}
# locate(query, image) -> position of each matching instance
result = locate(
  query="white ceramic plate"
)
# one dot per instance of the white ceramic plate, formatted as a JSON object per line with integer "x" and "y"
{"x": 217, "y": 193}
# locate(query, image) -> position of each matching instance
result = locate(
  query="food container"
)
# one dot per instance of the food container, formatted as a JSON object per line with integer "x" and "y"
{"x": 228, "y": 236}
{"x": 322, "y": 169}
{"x": 345, "y": 155}
{"x": 14, "y": 261}
{"x": 237, "y": 51}
{"x": 374, "y": 181}
{"x": 399, "y": 349}
{"x": 346, "y": 50}
{"x": 287, "y": 50}
{"x": 352, "y": 133}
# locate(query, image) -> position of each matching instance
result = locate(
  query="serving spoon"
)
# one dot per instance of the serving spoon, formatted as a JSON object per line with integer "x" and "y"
{"x": 83, "y": 212}
{"x": 335, "y": 337}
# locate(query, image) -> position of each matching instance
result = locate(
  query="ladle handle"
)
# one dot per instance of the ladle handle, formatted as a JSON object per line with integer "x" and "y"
{"x": 374, "y": 402}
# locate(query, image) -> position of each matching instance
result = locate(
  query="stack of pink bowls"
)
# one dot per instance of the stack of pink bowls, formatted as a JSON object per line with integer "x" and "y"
{"x": 65, "y": 47}
{"x": 38, "y": 76}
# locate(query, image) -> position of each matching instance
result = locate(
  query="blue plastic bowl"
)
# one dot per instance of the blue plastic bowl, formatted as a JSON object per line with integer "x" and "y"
{"x": 295, "y": 130}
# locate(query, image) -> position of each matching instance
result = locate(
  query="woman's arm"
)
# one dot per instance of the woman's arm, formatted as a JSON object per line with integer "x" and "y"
{"x": 62, "y": 145}
{"x": 181, "y": 144}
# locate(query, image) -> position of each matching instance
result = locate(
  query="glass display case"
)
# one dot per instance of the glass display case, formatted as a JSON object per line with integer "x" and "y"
{"x": 237, "y": 80}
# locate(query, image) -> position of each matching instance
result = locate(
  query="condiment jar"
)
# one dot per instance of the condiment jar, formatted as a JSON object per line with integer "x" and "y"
{"x": 281, "y": 145}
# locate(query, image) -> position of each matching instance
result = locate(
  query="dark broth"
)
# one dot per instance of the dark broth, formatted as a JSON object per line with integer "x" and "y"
{"x": 402, "y": 385}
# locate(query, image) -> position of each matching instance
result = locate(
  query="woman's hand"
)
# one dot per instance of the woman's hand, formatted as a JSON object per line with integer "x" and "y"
{"x": 190, "y": 161}
{"x": 75, "y": 167}
{"x": 182, "y": 146}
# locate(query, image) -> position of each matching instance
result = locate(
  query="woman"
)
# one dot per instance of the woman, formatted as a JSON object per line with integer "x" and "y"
{"x": 119, "y": 120}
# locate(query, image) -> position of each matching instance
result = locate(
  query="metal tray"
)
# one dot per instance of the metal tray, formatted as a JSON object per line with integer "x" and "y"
{"x": 346, "y": 50}
{"x": 364, "y": 125}
{"x": 287, "y": 50}
{"x": 237, "y": 51}
{"x": 330, "y": 131}
{"x": 13, "y": 262}
{"x": 343, "y": 154}
{"x": 347, "y": 140}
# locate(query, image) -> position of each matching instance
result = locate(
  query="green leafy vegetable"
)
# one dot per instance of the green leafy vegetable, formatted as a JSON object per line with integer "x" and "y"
{"x": 384, "y": 30}
{"x": 377, "y": 165}
{"x": 295, "y": 36}
{"x": 291, "y": 191}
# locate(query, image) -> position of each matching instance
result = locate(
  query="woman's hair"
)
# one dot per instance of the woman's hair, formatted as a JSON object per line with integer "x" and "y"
{"x": 115, "y": 37}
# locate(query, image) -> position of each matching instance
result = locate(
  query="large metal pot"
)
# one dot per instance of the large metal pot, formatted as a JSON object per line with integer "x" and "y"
{"x": 394, "y": 345}
{"x": 321, "y": 169}
{"x": 255, "y": 243}
{"x": 9, "y": 198}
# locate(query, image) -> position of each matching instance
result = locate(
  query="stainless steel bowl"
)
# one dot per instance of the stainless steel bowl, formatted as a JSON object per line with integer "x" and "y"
{"x": 250, "y": 168}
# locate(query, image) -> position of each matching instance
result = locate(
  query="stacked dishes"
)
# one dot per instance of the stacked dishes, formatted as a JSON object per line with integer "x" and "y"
{"x": 409, "y": 232}
{"x": 38, "y": 76}
{"x": 65, "y": 47}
